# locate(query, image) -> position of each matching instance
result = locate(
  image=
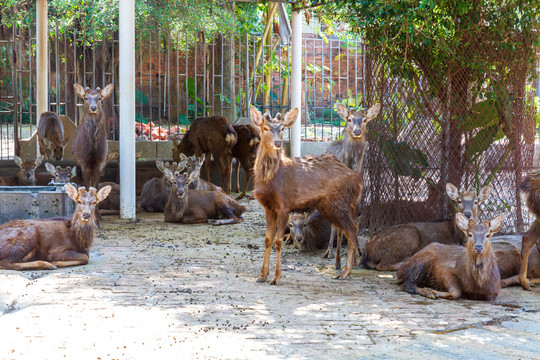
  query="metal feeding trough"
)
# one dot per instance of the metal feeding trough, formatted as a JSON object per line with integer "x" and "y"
{"x": 34, "y": 202}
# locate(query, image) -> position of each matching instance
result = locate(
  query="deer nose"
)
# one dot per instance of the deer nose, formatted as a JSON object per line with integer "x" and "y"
{"x": 478, "y": 249}
{"x": 468, "y": 214}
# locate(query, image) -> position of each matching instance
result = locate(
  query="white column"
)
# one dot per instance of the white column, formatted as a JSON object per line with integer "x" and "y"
{"x": 127, "y": 108}
{"x": 42, "y": 51}
{"x": 296, "y": 80}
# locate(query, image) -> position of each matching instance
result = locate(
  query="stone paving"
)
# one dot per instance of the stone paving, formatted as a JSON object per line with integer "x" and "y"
{"x": 157, "y": 290}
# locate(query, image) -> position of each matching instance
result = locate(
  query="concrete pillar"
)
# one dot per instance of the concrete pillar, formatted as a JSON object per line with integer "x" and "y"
{"x": 126, "y": 90}
{"x": 296, "y": 80}
{"x": 42, "y": 51}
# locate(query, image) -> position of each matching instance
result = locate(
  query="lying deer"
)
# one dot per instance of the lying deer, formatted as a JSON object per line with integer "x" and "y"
{"x": 453, "y": 271}
{"x": 59, "y": 174}
{"x": 245, "y": 152}
{"x": 307, "y": 231}
{"x": 351, "y": 151}
{"x": 51, "y": 243}
{"x": 509, "y": 262}
{"x": 530, "y": 192}
{"x": 196, "y": 206}
{"x": 26, "y": 176}
{"x": 284, "y": 185}
{"x": 50, "y": 134}
{"x": 211, "y": 136}
{"x": 155, "y": 191}
{"x": 387, "y": 249}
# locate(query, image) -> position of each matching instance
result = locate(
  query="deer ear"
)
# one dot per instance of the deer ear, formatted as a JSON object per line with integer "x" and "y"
{"x": 103, "y": 193}
{"x": 160, "y": 165}
{"x": 50, "y": 169}
{"x": 290, "y": 117}
{"x": 105, "y": 93}
{"x": 342, "y": 111}
{"x": 452, "y": 191}
{"x": 373, "y": 111}
{"x": 256, "y": 116}
{"x": 79, "y": 90}
{"x": 496, "y": 224}
{"x": 71, "y": 191}
{"x": 462, "y": 222}
{"x": 38, "y": 161}
{"x": 484, "y": 192}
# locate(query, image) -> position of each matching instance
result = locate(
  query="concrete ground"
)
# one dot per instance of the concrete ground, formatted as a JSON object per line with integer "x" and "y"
{"x": 169, "y": 291}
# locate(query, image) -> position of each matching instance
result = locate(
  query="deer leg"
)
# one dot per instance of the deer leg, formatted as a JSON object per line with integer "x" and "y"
{"x": 526, "y": 245}
{"x": 271, "y": 219}
{"x": 282, "y": 220}
{"x": 337, "y": 261}
{"x": 330, "y": 248}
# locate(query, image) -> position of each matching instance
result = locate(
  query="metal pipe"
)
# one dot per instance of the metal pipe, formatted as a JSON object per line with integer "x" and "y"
{"x": 127, "y": 108}
{"x": 296, "y": 81}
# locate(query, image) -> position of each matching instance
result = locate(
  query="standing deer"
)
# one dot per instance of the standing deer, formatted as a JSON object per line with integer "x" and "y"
{"x": 530, "y": 192}
{"x": 155, "y": 191}
{"x": 388, "y": 248}
{"x": 196, "y": 206}
{"x": 245, "y": 152}
{"x": 283, "y": 185}
{"x": 50, "y": 133}
{"x": 51, "y": 243}
{"x": 90, "y": 145}
{"x": 61, "y": 175}
{"x": 453, "y": 271}
{"x": 309, "y": 232}
{"x": 26, "y": 176}
{"x": 211, "y": 136}
{"x": 351, "y": 151}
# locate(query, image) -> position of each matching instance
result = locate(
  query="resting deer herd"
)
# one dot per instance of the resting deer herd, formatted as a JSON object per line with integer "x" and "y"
{"x": 316, "y": 198}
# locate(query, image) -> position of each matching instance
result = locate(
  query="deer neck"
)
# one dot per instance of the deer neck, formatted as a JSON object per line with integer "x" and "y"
{"x": 82, "y": 233}
{"x": 267, "y": 163}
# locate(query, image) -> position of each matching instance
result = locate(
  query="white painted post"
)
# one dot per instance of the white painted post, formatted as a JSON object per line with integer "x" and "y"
{"x": 296, "y": 80}
{"x": 42, "y": 51}
{"x": 127, "y": 108}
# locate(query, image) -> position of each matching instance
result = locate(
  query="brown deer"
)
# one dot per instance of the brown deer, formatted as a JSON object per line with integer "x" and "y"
{"x": 155, "y": 192}
{"x": 26, "y": 176}
{"x": 309, "y": 232}
{"x": 509, "y": 262}
{"x": 90, "y": 145}
{"x": 245, "y": 152}
{"x": 61, "y": 175}
{"x": 388, "y": 248}
{"x": 530, "y": 192}
{"x": 52, "y": 243}
{"x": 284, "y": 185}
{"x": 50, "y": 134}
{"x": 211, "y": 136}
{"x": 195, "y": 206}
{"x": 453, "y": 271}
{"x": 351, "y": 151}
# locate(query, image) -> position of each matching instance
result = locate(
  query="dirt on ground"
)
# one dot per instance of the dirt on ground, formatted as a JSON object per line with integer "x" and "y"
{"x": 158, "y": 290}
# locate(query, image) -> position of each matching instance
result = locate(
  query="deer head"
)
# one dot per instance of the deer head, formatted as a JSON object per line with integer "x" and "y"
{"x": 357, "y": 120}
{"x": 61, "y": 175}
{"x": 93, "y": 98}
{"x": 27, "y": 174}
{"x": 479, "y": 233}
{"x": 272, "y": 128}
{"x": 86, "y": 200}
{"x": 468, "y": 201}
{"x": 181, "y": 180}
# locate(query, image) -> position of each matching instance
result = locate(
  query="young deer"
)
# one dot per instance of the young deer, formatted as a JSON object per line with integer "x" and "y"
{"x": 155, "y": 191}
{"x": 283, "y": 185}
{"x": 196, "y": 206}
{"x": 61, "y": 175}
{"x": 309, "y": 232}
{"x": 50, "y": 133}
{"x": 27, "y": 172}
{"x": 211, "y": 136}
{"x": 388, "y": 248}
{"x": 245, "y": 152}
{"x": 90, "y": 145}
{"x": 351, "y": 151}
{"x": 453, "y": 271}
{"x": 51, "y": 243}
